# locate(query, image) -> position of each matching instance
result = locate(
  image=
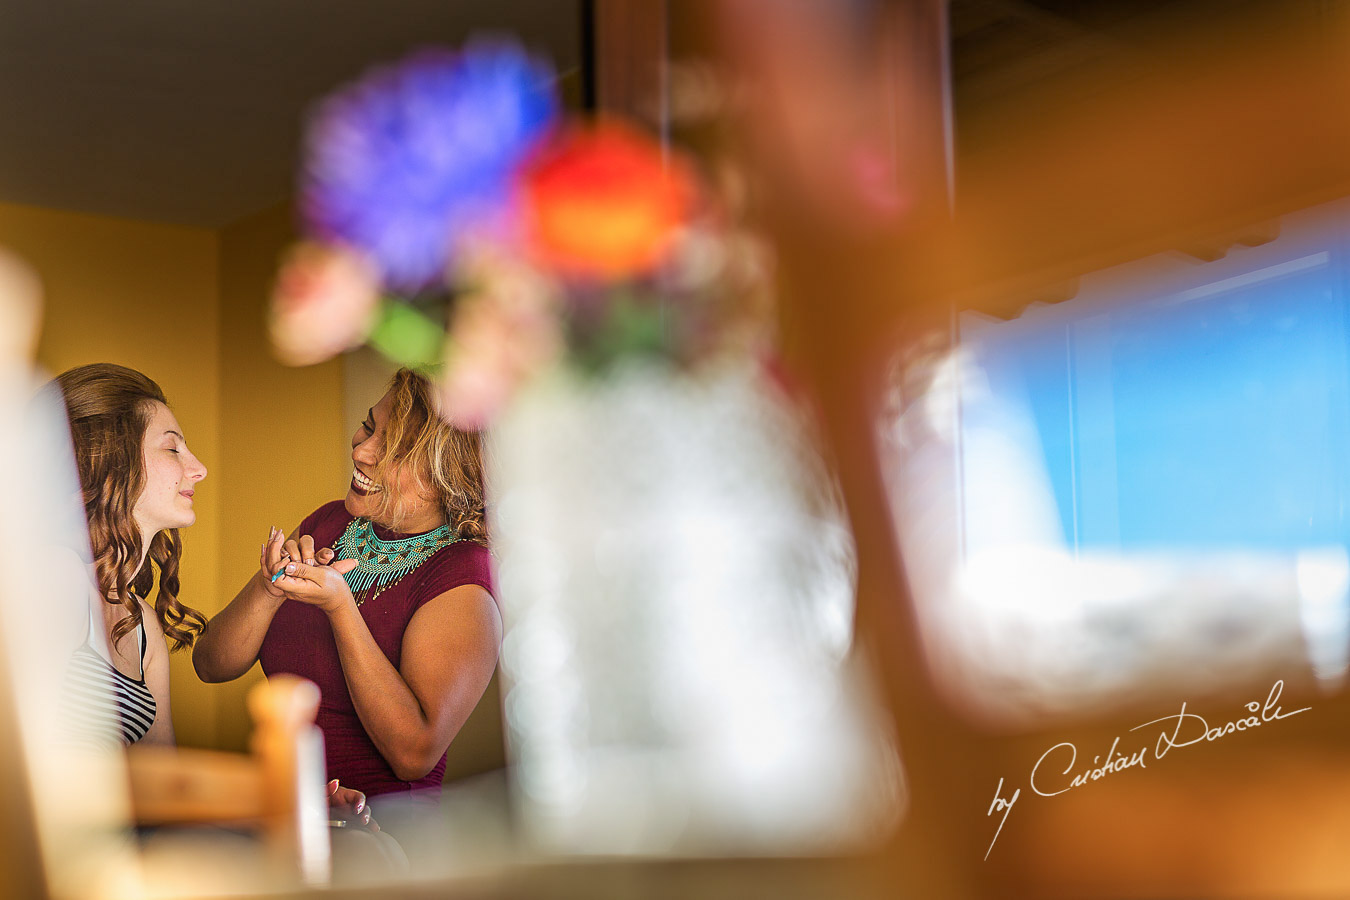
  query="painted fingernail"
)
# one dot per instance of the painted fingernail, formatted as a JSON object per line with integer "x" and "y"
{"x": 360, "y": 805}
{"x": 290, "y": 569}
{"x": 309, "y": 562}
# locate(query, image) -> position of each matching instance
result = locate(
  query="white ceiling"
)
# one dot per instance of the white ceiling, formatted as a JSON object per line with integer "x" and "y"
{"x": 190, "y": 111}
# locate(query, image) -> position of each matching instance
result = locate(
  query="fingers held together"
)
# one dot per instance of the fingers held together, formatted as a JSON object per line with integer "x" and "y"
{"x": 270, "y": 559}
{"x": 347, "y": 798}
{"x": 302, "y": 550}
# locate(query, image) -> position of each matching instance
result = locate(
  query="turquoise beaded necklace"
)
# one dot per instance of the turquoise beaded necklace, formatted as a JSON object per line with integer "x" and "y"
{"x": 381, "y": 563}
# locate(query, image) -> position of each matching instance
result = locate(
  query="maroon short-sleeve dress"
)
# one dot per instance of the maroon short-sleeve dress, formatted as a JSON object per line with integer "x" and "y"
{"x": 300, "y": 641}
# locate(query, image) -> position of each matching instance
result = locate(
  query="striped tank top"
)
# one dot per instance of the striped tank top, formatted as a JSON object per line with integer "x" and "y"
{"x": 102, "y": 705}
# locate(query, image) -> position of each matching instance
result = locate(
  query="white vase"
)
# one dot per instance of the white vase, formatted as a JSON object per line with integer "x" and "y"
{"x": 677, "y": 582}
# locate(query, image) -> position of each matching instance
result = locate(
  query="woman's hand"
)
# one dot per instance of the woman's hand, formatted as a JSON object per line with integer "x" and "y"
{"x": 271, "y": 559}
{"x": 319, "y": 581}
{"x": 351, "y": 804}
{"x": 277, "y": 551}
{"x": 301, "y": 550}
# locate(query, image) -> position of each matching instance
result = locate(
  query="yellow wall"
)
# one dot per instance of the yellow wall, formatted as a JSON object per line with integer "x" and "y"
{"x": 187, "y": 306}
{"x": 144, "y": 296}
{"x": 286, "y": 449}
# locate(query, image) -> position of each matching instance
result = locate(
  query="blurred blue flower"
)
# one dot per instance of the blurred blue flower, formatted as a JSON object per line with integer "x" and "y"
{"x": 401, "y": 162}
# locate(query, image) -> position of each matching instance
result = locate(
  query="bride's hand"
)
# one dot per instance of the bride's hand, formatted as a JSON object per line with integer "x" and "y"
{"x": 350, "y": 802}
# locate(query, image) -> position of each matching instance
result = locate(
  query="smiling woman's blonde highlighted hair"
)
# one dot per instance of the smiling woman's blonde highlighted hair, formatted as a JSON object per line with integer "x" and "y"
{"x": 440, "y": 461}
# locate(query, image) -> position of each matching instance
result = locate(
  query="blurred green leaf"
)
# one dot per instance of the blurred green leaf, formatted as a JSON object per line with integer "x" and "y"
{"x": 406, "y": 336}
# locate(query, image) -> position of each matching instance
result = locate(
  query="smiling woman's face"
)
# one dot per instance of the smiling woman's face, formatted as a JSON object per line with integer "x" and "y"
{"x": 420, "y": 513}
{"x": 171, "y": 476}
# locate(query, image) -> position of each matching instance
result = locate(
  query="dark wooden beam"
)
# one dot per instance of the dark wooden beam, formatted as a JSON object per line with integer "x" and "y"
{"x": 630, "y": 59}
{"x": 1207, "y": 145}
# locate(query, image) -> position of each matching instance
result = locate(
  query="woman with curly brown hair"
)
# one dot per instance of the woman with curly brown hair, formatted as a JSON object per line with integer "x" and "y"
{"x": 384, "y": 599}
{"x": 138, "y": 478}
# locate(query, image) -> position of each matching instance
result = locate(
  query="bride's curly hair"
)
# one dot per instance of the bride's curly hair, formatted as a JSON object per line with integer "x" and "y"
{"x": 109, "y": 408}
{"x": 442, "y": 461}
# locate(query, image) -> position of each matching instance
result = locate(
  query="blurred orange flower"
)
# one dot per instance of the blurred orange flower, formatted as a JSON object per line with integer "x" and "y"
{"x": 603, "y": 202}
{"x": 324, "y": 302}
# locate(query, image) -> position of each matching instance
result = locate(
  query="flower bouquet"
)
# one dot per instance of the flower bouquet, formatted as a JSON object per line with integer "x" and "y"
{"x": 674, "y": 570}
{"x": 457, "y": 221}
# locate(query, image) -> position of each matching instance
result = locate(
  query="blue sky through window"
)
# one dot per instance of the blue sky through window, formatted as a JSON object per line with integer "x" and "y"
{"x": 1196, "y": 412}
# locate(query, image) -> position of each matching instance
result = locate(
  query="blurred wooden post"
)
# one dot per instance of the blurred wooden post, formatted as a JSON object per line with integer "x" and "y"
{"x": 20, "y": 853}
{"x": 289, "y": 749}
{"x": 846, "y": 134}
{"x": 630, "y": 60}
{"x": 171, "y": 786}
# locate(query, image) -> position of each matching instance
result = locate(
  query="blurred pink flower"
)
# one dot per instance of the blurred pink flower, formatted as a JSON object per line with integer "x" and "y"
{"x": 503, "y": 333}
{"x": 324, "y": 302}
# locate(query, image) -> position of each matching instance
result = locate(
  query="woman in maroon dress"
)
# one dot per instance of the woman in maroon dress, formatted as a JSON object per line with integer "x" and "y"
{"x": 384, "y": 600}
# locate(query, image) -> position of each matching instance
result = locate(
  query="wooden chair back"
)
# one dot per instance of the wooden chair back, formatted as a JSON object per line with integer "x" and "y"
{"x": 278, "y": 788}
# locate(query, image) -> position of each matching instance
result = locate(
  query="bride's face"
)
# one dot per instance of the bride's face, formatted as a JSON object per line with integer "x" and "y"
{"x": 171, "y": 476}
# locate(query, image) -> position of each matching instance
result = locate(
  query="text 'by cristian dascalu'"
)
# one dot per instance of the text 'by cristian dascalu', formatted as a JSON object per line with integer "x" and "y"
{"x": 1058, "y": 770}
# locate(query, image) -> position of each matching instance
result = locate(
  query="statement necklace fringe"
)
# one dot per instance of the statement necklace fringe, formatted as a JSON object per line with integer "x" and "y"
{"x": 380, "y": 563}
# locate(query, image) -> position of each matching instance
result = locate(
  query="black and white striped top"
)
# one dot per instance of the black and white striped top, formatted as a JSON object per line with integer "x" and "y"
{"x": 101, "y": 703}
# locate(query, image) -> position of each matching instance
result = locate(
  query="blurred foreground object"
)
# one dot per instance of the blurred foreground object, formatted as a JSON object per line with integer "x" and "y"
{"x": 325, "y": 301}
{"x": 404, "y": 162}
{"x": 510, "y": 238}
{"x": 604, "y": 203}
{"x": 1217, "y": 131}
{"x": 1137, "y": 490}
{"x": 20, "y": 311}
{"x": 677, "y": 581}
{"x": 403, "y": 169}
{"x": 675, "y": 576}
{"x": 67, "y": 833}
{"x": 279, "y": 787}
